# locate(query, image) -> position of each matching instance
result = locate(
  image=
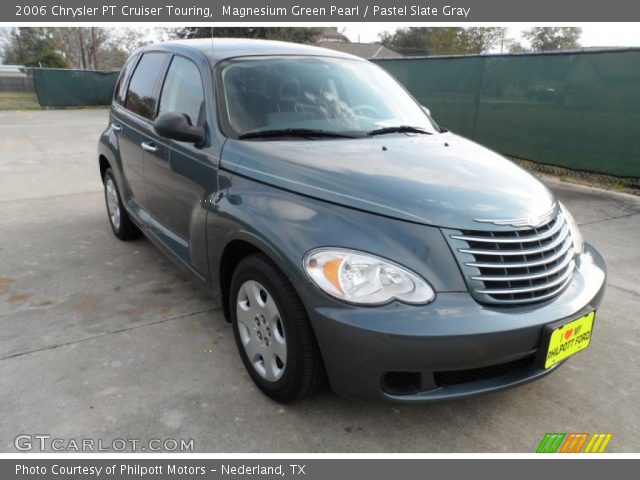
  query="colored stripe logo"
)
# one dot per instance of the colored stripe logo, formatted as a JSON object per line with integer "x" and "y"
{"x": 574, "y": 443}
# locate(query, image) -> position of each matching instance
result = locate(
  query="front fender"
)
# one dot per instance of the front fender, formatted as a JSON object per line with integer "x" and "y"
{"x": 285, "y": 226}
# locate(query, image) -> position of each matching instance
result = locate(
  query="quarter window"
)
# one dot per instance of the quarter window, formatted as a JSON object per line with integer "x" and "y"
{"x": 141, "y": 95}
{"x": 121, "y": 89}
{"x": 183, "y": 91}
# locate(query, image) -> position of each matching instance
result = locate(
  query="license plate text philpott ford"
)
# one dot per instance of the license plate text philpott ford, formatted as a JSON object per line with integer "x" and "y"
{"x": 569, "y": 339}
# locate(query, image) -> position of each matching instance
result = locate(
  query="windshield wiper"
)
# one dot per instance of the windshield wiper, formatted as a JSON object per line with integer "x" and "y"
{"x": 295, "y": 132}
{"x": 398, "y": 129}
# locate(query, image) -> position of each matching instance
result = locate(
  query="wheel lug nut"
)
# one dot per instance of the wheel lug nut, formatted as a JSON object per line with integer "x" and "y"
{"x": 259, "y": 334}
{"x": 268, "y": 331}
{"x": 266, "y": 342}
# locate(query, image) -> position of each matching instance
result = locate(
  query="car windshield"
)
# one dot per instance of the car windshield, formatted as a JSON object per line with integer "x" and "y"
{"x": 296, "y": 96}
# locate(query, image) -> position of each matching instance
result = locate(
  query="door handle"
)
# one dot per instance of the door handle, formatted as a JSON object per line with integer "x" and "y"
{"x": 115, "y": 127}
{"x": 149, "y": 146}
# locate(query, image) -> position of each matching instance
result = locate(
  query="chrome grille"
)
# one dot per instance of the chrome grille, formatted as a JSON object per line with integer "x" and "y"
{"x": 516, "y": 266}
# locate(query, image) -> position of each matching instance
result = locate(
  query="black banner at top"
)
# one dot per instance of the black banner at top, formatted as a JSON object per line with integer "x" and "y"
{"x": 254, "y": 11}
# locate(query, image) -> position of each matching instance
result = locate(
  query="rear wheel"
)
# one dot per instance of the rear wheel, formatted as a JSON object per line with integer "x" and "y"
{"x": 272, "y": 331}
{"x": 122, "y": 226}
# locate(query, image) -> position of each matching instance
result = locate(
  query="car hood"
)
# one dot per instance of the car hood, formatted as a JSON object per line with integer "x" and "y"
{"x": 442, "y": 180}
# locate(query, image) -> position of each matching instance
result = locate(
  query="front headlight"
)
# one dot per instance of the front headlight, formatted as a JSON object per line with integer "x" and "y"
{"x": 362, "y": 278}
{"x": 578, "y": 242}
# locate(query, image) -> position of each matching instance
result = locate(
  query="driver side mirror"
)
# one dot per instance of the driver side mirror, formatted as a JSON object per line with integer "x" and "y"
{"x": 177, "y": 126}
{"x": 426, "y": 110}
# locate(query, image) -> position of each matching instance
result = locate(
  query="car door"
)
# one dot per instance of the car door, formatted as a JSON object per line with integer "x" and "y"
{"x": 124, "y": 141}
{"x": 178, "y": 174}
{"x": 133, "y": 121}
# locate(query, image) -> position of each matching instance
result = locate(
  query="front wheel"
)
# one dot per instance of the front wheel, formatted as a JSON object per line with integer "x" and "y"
{"x": 272, "y": 331}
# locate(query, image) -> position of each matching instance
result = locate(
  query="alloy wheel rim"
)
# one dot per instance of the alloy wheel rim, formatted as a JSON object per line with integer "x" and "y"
{"x": 261, "y": 330}
{"x": 113, "y": 204}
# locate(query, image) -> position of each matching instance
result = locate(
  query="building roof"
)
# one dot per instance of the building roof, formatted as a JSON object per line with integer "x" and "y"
{"x": 12, "y": 71}
{"x": 222, "y": 48}
{"x": 363, "y": 50}
{"x": 331, "y": 34}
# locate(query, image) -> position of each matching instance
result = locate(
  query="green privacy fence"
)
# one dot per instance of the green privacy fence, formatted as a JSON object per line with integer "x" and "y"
{"x": 73, "y": 88}
{"x": 579, "y": 110}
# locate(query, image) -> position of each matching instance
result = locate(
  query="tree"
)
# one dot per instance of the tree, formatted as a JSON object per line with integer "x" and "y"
{"x": 74, "y": 45}
{"x": 482, "y": 39}
{"x": 288, "y": 34}
{"x": 33, "y": 47}
{"x": 98, "y": 48}
{"x": 130, "y": 39}
{"x": 92, "y": 48}
{"x": 443, "y": 40}
{"x": 422, "y": 41}
{"x": 5, "y": 34}
{"x": 544, "y": 39}
{"x": 515, "y": 47}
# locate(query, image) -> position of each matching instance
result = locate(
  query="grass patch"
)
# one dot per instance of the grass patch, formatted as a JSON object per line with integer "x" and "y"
{"x": 29, "y": 101}
{"x": 608, "y": 182}
{"x": 19, "y": 101}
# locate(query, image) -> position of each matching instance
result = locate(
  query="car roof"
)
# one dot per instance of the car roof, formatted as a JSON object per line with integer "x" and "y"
{"x": 217, "y": 49}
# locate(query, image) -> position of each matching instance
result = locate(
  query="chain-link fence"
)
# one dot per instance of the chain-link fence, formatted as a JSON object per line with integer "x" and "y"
{"x": 578, "y": 109}
{"x": 73, "y": 88}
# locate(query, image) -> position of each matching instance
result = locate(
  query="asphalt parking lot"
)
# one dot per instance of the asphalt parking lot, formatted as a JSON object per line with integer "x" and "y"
{"x": 103, "y": 339}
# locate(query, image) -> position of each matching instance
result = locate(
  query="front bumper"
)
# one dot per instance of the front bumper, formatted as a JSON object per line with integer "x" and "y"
{"x": 451, "y": 348}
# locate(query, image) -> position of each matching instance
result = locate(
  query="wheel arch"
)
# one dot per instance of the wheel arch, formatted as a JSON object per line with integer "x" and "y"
{"x": 104, "y": 165}
{"x": 235, "y": 250}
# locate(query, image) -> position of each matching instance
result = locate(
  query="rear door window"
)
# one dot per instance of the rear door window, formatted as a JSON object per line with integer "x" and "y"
{"x": 183, "y": 91}
{"x": 141, "y": 97}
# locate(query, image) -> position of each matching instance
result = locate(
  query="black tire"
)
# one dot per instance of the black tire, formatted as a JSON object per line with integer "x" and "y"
{"x": 303, "y": 372}
{"x": 124, "y": 228}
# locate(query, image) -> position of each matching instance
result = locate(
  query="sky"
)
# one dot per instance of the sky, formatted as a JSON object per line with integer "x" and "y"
{"x": 593, "y": 34}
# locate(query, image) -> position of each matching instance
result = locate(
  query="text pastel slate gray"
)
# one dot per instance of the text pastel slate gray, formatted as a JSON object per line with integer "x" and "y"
{"x": 319, "y": 11}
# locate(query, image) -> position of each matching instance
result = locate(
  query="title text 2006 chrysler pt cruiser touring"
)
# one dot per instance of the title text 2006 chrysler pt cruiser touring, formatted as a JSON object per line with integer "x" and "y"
{"x": 345, "y": 233}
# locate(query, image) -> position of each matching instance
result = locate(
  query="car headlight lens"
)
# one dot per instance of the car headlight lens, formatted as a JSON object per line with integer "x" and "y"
{"x": 362, "y": 278}
{"x": 578, "y": 242}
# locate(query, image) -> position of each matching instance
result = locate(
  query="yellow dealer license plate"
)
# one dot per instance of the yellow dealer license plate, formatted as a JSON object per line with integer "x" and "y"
{"x": 569, "y": 339}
